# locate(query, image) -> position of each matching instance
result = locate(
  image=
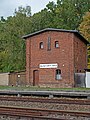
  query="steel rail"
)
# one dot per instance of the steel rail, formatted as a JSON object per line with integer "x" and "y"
{"x": 37, "y": 112}
{"x": 47, "y": 100}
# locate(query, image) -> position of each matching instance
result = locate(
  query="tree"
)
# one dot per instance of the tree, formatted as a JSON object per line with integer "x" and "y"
{"x": 65, "y": 14}
{"x": 85, "y": 30}
{"x": 12, "y": 55}
{"x": 85, "y": 26}
{"x": 41, "y": 20}
{"x": 25, "y": 11}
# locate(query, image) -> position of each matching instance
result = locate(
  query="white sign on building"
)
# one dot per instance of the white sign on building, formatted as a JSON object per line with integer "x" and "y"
{"x": 55, "y": 65}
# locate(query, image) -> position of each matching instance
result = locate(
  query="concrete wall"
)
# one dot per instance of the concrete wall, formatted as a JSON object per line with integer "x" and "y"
{"x": 87, "y": 79}
{"x": 17, "y": 78}
{"x": 4, "y": 79}
{"x": 13, "y": 78}
{"x": 80, "y": 80}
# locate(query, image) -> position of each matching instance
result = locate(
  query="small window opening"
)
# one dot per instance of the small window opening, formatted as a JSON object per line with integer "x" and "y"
{"x": 41, "y": 45}
{"x": 77, "y": 44}
{"x": 49, "y": 43}
{"x": 56, "y": 44}
{"x": 58, "y": 74}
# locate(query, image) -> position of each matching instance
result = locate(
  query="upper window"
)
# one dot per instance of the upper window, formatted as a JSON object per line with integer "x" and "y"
{"x": 41, "y": 45}
{"x": 56, "y": 44}
{"x": 58, "y": 74}
{"x": 49, "y": 44}
{"x": 77, "y": 44}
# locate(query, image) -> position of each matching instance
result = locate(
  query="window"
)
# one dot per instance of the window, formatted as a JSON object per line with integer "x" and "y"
{"x": 41, "y": 45}
{"x": 77, "y": 44}
{"x": 58, "y": 74}
{"x": 49, "y": 44}
{"x": 56, "y": 44}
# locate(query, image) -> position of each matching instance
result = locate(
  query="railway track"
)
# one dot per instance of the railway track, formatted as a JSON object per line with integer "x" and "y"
{"x": 41, "y": 113}
{"x": 47, "y": 100}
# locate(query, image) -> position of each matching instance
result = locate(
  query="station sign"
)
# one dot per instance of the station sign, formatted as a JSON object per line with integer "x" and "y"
{"x": 55, "y": 65}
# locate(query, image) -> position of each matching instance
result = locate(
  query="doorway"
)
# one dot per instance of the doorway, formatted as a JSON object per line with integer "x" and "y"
{"x": 35, "y": 77}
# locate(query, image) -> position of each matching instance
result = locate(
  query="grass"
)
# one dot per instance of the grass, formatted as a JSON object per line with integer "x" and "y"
{"x": 34, "y": 88}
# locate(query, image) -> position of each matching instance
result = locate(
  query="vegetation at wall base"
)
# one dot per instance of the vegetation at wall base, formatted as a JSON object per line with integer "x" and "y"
{"x": 35, "y": 88}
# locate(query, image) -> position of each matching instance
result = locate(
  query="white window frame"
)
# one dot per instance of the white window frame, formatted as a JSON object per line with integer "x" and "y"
{"x": 58, "y": 74}
{"x": 41, "y": 46}
{"x": 56, "y": 44}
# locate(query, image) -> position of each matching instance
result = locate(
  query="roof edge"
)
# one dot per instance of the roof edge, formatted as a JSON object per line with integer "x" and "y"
{"x": 55, "y": 29}
{"x": 47, "y": 29}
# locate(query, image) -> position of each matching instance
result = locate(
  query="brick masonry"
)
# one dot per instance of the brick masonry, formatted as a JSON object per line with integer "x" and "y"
{"x": 71, "y": 57}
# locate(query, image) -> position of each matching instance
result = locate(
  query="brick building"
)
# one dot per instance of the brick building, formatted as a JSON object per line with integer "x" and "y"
{"x": 53, "y": 56}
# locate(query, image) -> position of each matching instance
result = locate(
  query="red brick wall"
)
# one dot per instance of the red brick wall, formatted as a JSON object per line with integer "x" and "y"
{"x": 80, "y": 55}
{"x": 63, "y": 56}
{"x": 28, "y": 57}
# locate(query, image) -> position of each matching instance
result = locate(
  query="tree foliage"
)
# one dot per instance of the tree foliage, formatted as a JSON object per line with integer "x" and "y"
{"x": 85, "y": 30}
{"x": 12, "y": 47}
{"x": 64, "y": 14}
{"x": 85, "y": 26}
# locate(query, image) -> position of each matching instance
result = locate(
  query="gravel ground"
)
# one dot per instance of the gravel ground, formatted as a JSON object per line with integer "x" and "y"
{"x": 46, "y": 106}
{"x": 61, "y": 117}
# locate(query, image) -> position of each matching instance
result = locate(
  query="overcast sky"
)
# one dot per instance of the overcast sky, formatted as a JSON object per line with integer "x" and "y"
{"x": 7, "y": 7}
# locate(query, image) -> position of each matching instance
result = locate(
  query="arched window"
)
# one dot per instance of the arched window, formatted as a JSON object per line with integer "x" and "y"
{"x": 58, "y": 74}
{"x": 41, "y": 45}
{"x": 56, "y": 44}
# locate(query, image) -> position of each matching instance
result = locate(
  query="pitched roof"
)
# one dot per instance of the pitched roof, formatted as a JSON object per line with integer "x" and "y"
{"x": 58, "y": 30}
